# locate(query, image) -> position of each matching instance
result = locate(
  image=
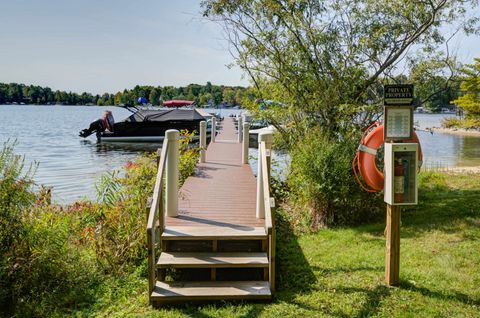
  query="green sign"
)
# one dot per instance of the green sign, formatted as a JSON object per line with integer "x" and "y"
{"x": 401, "y": 94}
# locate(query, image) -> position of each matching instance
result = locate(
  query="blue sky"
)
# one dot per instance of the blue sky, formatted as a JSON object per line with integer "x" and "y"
{"x": 105, "y": 46}
{"x": 98, "y": 46}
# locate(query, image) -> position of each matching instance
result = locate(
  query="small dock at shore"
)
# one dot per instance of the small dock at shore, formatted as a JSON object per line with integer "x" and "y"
{"x": 214, "y": 238}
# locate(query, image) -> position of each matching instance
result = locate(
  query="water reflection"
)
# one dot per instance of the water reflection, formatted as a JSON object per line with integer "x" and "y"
{"x": 469, "y": 154}
{"x": 107, "y": 148}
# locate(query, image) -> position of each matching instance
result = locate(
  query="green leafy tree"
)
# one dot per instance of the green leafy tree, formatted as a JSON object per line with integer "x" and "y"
{"x": 229, "y": 96}
{"x": 205, "y": 98}
{"x": 154, "y": 97}
{"x": 118, "y": 98}
{"x": 208, "y": 87}
{"x": 2, "y": 94}
{"x": 323, "y": 63}
{"x": 470, "y": 87}
{"x": 436, "y": 82}
{"x": 324, "y": 59}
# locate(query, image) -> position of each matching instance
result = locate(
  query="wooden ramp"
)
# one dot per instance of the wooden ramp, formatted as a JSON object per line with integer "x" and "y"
{"x": 216, "y": 248}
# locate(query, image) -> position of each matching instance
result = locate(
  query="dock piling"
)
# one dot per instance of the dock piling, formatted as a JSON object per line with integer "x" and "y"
{"x": 246, "y": 142}
{"x": 214, "y": 129}
{"x": 240, "y": 128}
{"x": 203, "y": 140}
{"x": 171, "y": 190}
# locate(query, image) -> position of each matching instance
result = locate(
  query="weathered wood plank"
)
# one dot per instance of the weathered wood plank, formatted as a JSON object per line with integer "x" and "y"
{"x": 216, "y": 260}
{"x": 213, "y": 233}
{"x": 210, "y": 290}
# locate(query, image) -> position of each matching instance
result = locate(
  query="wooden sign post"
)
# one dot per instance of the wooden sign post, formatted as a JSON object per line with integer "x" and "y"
{"x": 392, "y": 262}
{"x": 398, "y": 126}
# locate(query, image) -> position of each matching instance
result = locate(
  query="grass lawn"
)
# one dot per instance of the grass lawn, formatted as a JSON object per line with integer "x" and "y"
{"x": 340, "y": 272}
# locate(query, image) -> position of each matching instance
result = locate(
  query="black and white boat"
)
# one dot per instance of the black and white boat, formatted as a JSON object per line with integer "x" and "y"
{"x": 145, "y": 125}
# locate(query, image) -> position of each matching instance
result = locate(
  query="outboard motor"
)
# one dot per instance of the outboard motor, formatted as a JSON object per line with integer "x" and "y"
{"x": 99, "y": 125}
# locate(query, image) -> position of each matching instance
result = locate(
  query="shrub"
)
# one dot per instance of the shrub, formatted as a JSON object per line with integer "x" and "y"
{"x": 322, "y": 182}
{"x": 188, "y": 156}
{"x": 15, "y": 194}
{"x": 38, "y": 258}
{"x": 120, "y": 230}
{"x": 52, "y": 257}
{"x": 465, "y": 123}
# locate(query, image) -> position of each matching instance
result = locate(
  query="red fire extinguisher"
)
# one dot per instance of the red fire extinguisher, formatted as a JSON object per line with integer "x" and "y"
{"x": 398, "y": 181}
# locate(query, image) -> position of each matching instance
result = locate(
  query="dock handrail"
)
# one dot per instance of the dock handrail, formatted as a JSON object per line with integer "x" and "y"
{"x": 269, "y": 206}
{"x": 263, "y": 154}
{"x": 156, "y": 212}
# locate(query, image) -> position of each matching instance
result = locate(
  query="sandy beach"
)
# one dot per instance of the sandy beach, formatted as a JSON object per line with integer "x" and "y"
{"x": 456, "y": 131}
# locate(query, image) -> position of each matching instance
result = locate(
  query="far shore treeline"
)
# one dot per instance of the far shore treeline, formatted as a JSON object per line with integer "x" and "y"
{"x": 207, "y": 94}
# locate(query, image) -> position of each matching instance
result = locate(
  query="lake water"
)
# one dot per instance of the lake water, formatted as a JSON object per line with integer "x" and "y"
{"x": 48, "y": 135}
{"x": 446, "y": 150}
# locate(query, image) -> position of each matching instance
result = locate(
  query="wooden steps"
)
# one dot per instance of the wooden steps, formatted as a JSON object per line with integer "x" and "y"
{"x": 212, "y": 263}
{"x": 215, "y": 248}
{"x": 213, "y": 233}
{"x": 165, "y": 292}
{"x": 212, "y": 260}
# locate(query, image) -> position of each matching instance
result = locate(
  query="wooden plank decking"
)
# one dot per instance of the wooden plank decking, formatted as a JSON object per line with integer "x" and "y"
{"x": 216, "y": 246}
{"x": 222, "y": 192}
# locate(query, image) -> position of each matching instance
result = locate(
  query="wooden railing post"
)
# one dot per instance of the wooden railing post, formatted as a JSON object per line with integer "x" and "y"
{"x": 149, "y": 206}
{"x": 240, "y": 128}
{"x": 246, "y": 142}
{"x": 151, "y": 254}
{"x": 214, "y": 129}
{"x": 203, "y": 140}
{"x": 272, "y": 247}
{"x": 159, "y": 153}
{"x": 266, "y": 137}
{"x": 172, "y": 136}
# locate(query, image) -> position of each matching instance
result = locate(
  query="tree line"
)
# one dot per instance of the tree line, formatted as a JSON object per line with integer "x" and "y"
{"x": 207, "y": 94}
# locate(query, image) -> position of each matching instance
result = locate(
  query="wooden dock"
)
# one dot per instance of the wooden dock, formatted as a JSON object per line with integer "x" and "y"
{"x": 223, "y": 190}
{"x": 215, "y": 247}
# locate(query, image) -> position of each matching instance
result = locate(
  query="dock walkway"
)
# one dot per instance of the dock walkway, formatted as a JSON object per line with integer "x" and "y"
{"x": 216, "y": 246}
{"x": 223, "y": 190}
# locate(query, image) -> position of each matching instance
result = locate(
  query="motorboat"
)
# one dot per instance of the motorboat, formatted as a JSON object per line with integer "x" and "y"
{"x": 146, "y": 125}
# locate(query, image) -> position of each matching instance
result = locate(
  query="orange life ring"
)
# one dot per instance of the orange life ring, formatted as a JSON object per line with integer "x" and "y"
{"x": 364, "y": 160}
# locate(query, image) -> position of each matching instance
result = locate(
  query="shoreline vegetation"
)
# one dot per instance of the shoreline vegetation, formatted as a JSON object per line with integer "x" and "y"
{"x": 468, "y": 126}
{"x": 56, "y": 259}
{"x": 457, "y": 131}
{"x": 88, "y": 258}
{"x": 208, "y": 94}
